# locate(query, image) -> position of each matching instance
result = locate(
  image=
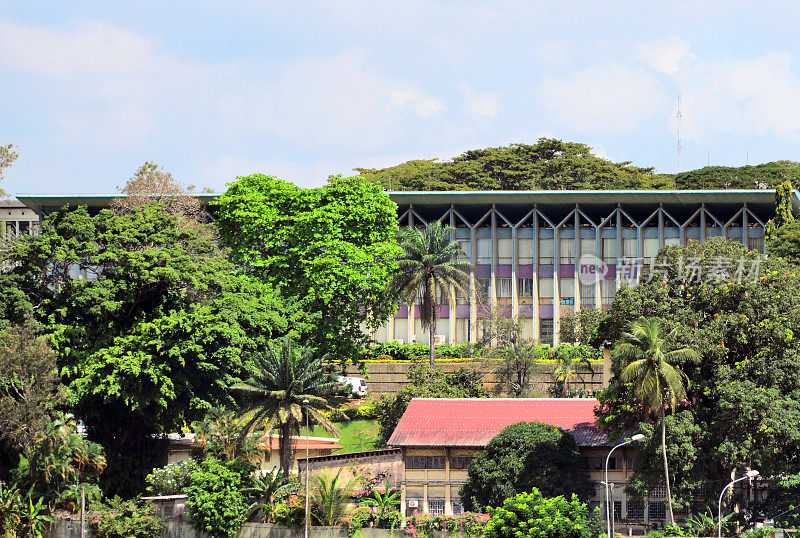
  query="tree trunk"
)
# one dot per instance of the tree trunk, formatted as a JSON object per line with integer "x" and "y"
{"x": 431, "y": 330}
{"x": 286, "y": 450}
{"x": 666, "y": 465}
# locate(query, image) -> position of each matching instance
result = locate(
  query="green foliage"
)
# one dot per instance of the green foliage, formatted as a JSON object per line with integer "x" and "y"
{"x": 215, "y": 501}
{"x": 266, "y": 491}
{"x": 531, "y": 514}
{"x": 432, "y": 264}
{"x": 21, "y": 516}
{"x": 273, "y": 396}
{"x": 426, "y": 381}
{"x": 329, "y": 498}
{"x": 760, "y": 532}
{"x": 386, "y": 515}
{"x": 571, "y": 361}
{"x": 290, "y": 513}
{"x": 524, "y": 456}
{"x": 549, "y": 164}
{"x": 357, "y": 519}
{"x": 59, "y": 459}
{"x": 160, "y": 328}
{"x": 330, "y": 251}
{"x": 767, "y": 175}
{"x": 171, "y": 479}
{"x": 744, "y": 391}
{"x": 784, "y": 242}
{"x": 466, "y": 524}
{"x": 124, "y": 519}
{"x": 580, "y": 327}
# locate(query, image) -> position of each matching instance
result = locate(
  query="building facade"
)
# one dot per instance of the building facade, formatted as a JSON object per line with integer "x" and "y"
{"x": 439, "y": 437}
{"x": 537, "y": 256}
{"x": 16, "y": 219}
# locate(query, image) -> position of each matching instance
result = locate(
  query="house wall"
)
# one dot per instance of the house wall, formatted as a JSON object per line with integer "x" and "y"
{"x": 380, "y": 466}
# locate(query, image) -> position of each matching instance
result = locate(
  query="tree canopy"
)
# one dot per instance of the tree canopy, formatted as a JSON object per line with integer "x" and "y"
{"x": 7, "y": 156}
{"x": 331, "y": 252}
{"x": 522, "y": 457}
{"x": 742, "y": 406}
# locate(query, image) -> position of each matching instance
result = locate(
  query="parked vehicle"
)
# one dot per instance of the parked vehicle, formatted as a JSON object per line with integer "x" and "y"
{"x": 358, "y": 387}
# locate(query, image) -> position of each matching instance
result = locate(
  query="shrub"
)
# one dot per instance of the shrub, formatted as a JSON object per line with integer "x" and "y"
{"x": 121, "y": 519}
{"x": 291, "y": 513}
{"x": 170, "y": 479}
{"x": 215, "y": 501}
{"x": 468, "y": 524}
{"x": 357, "y": 519}
{"x": 531, "y": 514}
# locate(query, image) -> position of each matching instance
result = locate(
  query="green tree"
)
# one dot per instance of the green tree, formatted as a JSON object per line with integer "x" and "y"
{"x": 524, "y": 456}
{"x": 433, "y": 264}
{"x": 531, "y": 514}
{"x": 385, "y": 503}
{"x": 273, "y": 396}
{"x": 329, "y": 251}
{"x": 266, "y": 490}
{"x": 570, "y": 360}
{"x": 425, "y": 381}
{"x": 157, "y": 328}
{"x": 656, "y": 383}
{"x": 761, "y": 176}
{"x": 7, "y": 157}
{"x": 214, "y": 497}
{"x": 330, "y": 497}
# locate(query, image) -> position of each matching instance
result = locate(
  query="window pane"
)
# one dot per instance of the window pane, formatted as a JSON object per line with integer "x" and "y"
{"x": 546, "y": 251}
{"x": 485, "y": 251}
{"x": 504, "y": 251}
{"x": 610, "y": 250}
{"x": 504, "y": 287}
{"x": 566, "y": 252}
{"x": 629, "y": 248}
{"x": 588, "y": 246}
{"x": 525, "y": 287}
{"x": 483, "y": 288}
{"x": 546, "y": 288}
{"x": 672, "y": 241}
{"x": 650, "y": 249}
{"x": 545, "y": 331}
{"x": 566, "y": 287}
{"x": 436, "y": 507}
{"x": 525, "y": 247}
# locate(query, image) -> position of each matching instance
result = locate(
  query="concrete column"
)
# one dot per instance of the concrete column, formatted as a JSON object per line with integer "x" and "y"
{"x": 702, "y": 223}
{"x": 425, "y": 494}
{"x": 619, "y": 242}
{"x": 448, "y": 505}
{"x": 577, "y": 303}
{"x": 598, "y": 237}
{"x": 473, "y": 302}
{"x": 493, "y": 281}
{"x": 514, "y": 291}
{"x": 556, "y": 286}
{"x": 660, "y": 226}
{"x": 411, "y": 305}
{"x": 535, "y": 292}
{"x": 745, "y": 226}
{"x": 452, "y": 318}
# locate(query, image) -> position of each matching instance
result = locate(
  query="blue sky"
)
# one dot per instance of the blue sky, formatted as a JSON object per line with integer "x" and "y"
{"x": 301, "y": 90}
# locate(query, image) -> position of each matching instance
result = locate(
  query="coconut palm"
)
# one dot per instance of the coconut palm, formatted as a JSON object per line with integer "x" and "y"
{"x": 273, "y": 396}
{"x": 433, "y": 262}
{"x": 570, "y": 360}
{"x": 656, "y": 383}
{"x": 330, "y": 497}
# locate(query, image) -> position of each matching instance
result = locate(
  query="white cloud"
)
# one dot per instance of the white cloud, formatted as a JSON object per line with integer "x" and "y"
{"x": 608, "y": 99}
{"x": 665, "y": 55}
{"x": 481, "y": 104}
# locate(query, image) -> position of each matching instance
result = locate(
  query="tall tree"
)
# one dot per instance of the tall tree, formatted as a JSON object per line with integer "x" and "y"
{"x": 570, "y": 360}
{"x": 273, "y": 395}
{"x": 330, "y": 251}
{"x": 151, "y": 183}
{"x": 433, "y": 263}
{"x": 656, "y": 383}
{"x": 7, "y": 156}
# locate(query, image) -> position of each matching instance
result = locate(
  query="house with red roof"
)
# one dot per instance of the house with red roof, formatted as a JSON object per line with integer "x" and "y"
{"x": 438, "y": 438}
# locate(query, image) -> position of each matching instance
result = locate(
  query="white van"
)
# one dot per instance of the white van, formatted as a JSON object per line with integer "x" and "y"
{"x": 358, "y": 387}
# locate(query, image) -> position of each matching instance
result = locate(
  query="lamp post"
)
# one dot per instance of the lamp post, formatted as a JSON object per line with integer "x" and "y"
{"x": 748, "y": 474}
{"x": 308, "y": 433}
{"x": 637, "y": 437}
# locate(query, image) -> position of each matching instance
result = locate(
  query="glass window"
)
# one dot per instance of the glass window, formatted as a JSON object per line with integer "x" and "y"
{"x": 588, "y": 246}
{"x": 610, "y": 250}
{"x": 504, "y": 248}
{"x": 11, "y": 229}
{"x": 650, "y": 248}
{"x": 617, "y": 510}
{"x": 462, "y": 298}
{"x": 525, "y": 247}
{"x": 415, "y": 462}
{"x": 659, "y": 491}
{"x": 587, "y": 294}
{"x": 483, "y": 288}
{"x": 466, "y": 247}
{"x": 546, "y": 251}
{"x": 545, "y": 331}
{"x": 485, "y": 251}
{"x": 545, "y": 291}
{"x": 635, "y": 510}
{"x": 504, "y": 287}
{"x": 657, "y": 511}
{"x": 436, "y": 507}
{"x": 434, "y": 462}
{"x": 460, "y": 462}
{"x": 608, "y": 289}
{"x": 525, "y": 287}
{"x": 630, "y": 248}
{"x": 672, "y": 241}
{"x": 566, "y": 252}
{"x": 566, "y": 289}
{"x": 458, "y": 508}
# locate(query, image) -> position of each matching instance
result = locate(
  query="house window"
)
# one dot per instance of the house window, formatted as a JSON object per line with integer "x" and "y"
{"x": 545, "y": 291}
{"x": 504, "y": 248}
{"x": 466, "y": 248}
{"x": 458, "y": 508}
{"x": 415, "y": 462}
{"x": 566, "y": 252}
{"x": 436, "y": 507}
{"x": 434, "y": 462}
{"x": 631, "y": 463}
{"x": 657, "y": 511}
{"x": 525, "y": 287}
{"x": 635, "y": 510}
{"x": 485, "y": 251}
{"x": 596, "y": 463}
{"x": 504, "y": 284}
{"x": 610, "y": 250}
{"x": 650, "y": 248}
{"x": 617, "y": 510}
{"x": 566, "y": 287}
{"x": 659, "y": 491}
{"x": 460, "y": 462}
{"x": 546, "y": 251}
{"x": 614, "y": 463}
{"x": 545, "y": 331}
{"x": 608, "y": 289}
{"x": 525, "y": 252}
{"x": 630, "y": 248}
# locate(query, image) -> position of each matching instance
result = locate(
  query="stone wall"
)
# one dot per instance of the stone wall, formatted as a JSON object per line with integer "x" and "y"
{"x": 378, "y": 465}
{"x": 389, "y": 377}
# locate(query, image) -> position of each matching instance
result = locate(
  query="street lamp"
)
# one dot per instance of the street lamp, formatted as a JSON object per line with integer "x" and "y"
{"x": 637, "y": 437}
{"x": 748, "y": 474}
{"x": 308, "y": 433}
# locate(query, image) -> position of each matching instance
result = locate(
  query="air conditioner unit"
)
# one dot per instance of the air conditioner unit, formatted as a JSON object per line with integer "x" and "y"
{"x": 438, "y": 339}
{"x": 413, "y": 503}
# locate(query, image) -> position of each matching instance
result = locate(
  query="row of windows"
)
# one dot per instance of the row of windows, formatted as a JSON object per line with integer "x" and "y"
{"x": 566, "y": 249}
{"x": 14, "y": 228}
{"x": 436, "y": 462}
{"x": 436, "y": 507}
{"x": 635, "y": 510}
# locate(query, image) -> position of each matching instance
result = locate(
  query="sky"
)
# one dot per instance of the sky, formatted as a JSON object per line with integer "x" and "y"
{"x": 301, "y": 90}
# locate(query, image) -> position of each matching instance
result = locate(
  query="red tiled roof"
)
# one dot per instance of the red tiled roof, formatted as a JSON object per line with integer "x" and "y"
{"x": 299, "y": 443}
{"x": 475, "y": 421}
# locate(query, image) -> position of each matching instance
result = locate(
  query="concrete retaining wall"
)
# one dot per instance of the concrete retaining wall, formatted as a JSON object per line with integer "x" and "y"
{"x": 389, "y": 377}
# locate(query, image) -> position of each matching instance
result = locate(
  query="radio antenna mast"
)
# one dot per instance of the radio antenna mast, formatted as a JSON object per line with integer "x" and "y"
{"x": 678, "y": 117}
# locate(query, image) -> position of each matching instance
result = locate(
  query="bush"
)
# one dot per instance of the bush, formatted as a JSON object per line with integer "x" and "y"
{"x": 291, "y": 513}
{"x": 123, "y": 519}
{"x": 358, "y": 519}
{"x": 760, "y": 532}
{"x": 531, "y": 514}
{"x": 171, "y": 479}
{"x": 524, "y": 456}
{"x": 215, "y": 501}
{"x": 468, "y": 524}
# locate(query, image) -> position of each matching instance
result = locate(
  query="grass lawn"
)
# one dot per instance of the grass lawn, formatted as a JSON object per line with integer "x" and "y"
{"x": 354, "y": 435}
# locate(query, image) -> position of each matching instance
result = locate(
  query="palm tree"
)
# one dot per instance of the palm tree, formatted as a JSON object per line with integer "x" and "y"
{"x": 329, "y": 500}
{"x": 384, "y": 504}
{"x": 432, "y": 263}
{"x": 273, "y": 396}
{"x": 266, "y": 490}
{"x": 570, "y": 360}
{"x": 656, "y": 383}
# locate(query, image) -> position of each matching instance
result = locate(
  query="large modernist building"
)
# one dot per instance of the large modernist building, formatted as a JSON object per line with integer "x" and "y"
{"x": 537, "y": 255}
